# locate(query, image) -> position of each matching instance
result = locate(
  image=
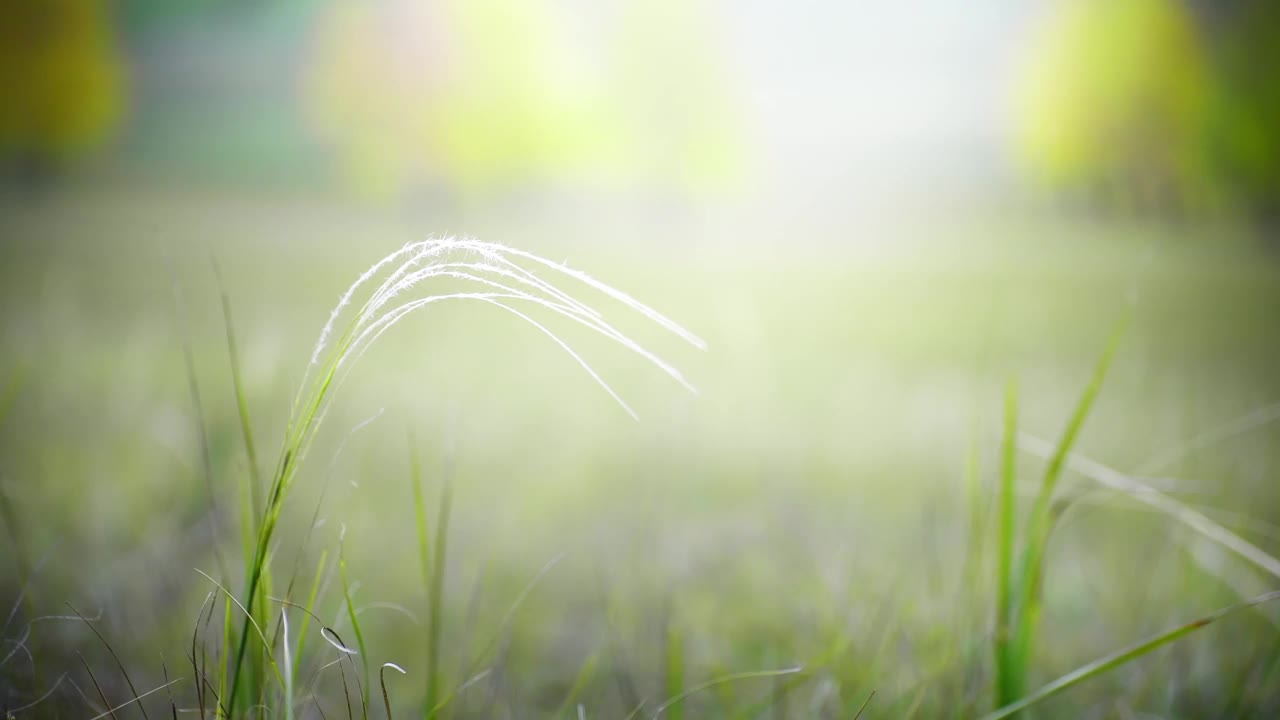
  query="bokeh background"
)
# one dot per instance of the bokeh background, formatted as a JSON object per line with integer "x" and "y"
{"x": 875, "y": 214}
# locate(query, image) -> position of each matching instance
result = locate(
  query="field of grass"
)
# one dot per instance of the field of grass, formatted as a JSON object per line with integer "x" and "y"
{"x": 821, "y": 521}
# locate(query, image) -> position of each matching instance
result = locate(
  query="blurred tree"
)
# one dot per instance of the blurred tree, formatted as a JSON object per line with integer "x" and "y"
{"x": 1243, "y": 134}
{"x": 1113, "y": 101}
{"x": 464, "y": 91}
{"x": 488, "y": 95}
{"x": 1155, "y": 104}
{"x": 61, "y": 81}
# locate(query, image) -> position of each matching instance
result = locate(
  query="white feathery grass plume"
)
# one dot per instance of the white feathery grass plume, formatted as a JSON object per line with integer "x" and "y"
{"x": 502, "y": 278}
{"x": 592, "y": 321}
{"x": 625, "y": 299}
{"x": 346, "y": 297}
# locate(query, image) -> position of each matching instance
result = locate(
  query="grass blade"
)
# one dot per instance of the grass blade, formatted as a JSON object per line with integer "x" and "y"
{"x": 253, "y": 623}
{"x": 107, "y": 645}
{"x": 434, "y": 711}
{"x": 435, "y": 596}
{"x": 862, "y": 708}
{"x": 136, "y": 699}
{"x": 585, "y": 674}
{"x": 242, "y": 401}
{"x": 674, "y": 701}
{"x": 1120, "y": 657}
{"x": 674, "y": 680}
{"x": 310, "y": 606}
{"x": 355, "y": 627}
{"x": 106, "y": 703}
{"x": 1144, "y": 493}
{"x": 1008, "y": 677}
{"x": 1026, "y": 611}
{"x": 424, "y": 557}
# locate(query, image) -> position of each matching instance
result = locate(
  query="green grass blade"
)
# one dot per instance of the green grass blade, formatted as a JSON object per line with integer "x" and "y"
{"x": 863, "y": 707}
{"x": 310, "y": 608}
{"x": 435, "y": 597}
{"x": 508, "y": 618}
{"x": 420, "y": 514}
{"x": 256, "y": 627}
{"x": 826, "y": 662}
{"x": 674, "y": 678}
{"x": 247, "y": 523}
{"x": 1008, "y": 684}
{"x": 123, "y": 671}
{"x": 439, "y": 707}
{"x": 584, "y": 677}
{"x": 1040, "y": 521}
{"x": 1120, "y": 657}
{"x": 1144, "y": 493}
{"x": 266, "y": 653}
{"x": 242, "y": 403}
{"x": 975, "y": 558}
{"x": 227, "y": 626}
{"x": 355, "y": 627}
{"x": 672, "y": 703}
{"x": 424, "y": 557}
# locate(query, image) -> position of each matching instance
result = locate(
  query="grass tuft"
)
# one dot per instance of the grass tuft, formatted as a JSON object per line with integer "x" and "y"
{"x": 501, "y": 277}
{"x": 1018, "y": 594}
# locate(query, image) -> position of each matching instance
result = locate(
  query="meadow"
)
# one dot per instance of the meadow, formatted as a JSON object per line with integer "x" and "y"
{"x": 816, "y": 532}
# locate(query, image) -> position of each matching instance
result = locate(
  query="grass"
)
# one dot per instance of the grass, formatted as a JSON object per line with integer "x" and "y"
{"x": 1018, "y": 593}
{"x": 1018, "y": 602}
{"x": 786, "y": 544}
{"x": 433, "y": 576}
{"x": 495, "y": 270}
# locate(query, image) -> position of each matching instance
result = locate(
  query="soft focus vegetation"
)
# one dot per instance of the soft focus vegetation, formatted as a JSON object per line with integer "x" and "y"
{"x": 486, "y": 96}
{"x": 1145, "y": 108}
{"x": 966, "y": 406}
{"x": 60, "y": 78}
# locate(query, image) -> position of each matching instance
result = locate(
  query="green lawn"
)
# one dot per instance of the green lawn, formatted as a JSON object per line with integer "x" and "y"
{"x": 825, "y": 502}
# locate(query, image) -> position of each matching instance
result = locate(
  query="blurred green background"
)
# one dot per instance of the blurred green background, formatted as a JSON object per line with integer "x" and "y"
{"x": 875, "y": 215}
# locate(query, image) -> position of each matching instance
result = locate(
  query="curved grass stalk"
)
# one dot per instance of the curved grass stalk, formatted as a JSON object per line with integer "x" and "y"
{"x": 1258, "y": 418}
{"x": 732, "y": 677}
{"x": 1136, "y": 489}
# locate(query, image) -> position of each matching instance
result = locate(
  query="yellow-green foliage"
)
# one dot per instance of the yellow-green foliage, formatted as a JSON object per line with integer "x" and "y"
{"x": 1114, "y": 93}
{"x": 1245, "y": 138}
{"x": 60, "y": 77}
{"x": 671, "y": 93}
{"x": 485, "y": 95}
{"x": 410, "y": 91}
